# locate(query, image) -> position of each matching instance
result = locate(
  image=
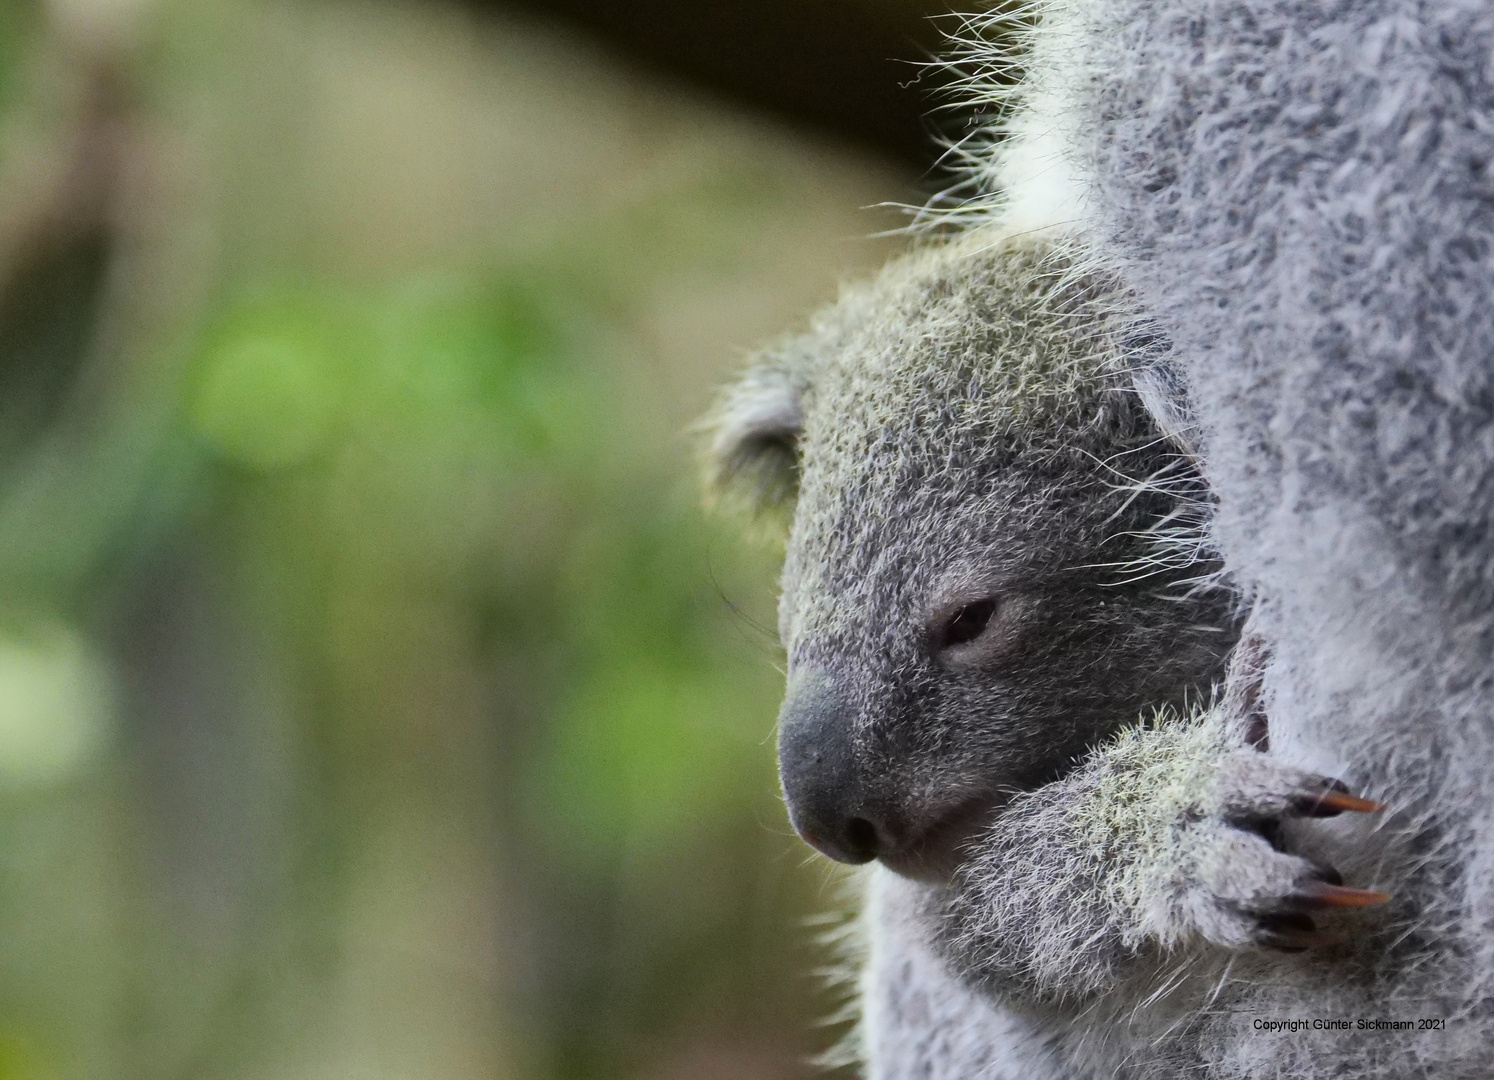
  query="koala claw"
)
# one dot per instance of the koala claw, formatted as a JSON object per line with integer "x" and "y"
{"x": 1259, "y": 894}
{"x": 1323, "y": 894}
{"x": 1334, "y": 800}
{"x": 1293, "y": 933}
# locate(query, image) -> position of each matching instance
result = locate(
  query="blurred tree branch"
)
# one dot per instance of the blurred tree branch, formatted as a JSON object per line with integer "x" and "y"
{"x": 848, "y": 67}
{"x": 56, "y": 239}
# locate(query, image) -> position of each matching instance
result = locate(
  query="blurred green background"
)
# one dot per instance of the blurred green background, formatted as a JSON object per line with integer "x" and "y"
{"x": 375, "y": 701}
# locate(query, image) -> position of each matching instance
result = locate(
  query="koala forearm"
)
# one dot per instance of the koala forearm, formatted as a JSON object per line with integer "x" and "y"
{"x": 1155, "y": 844}
{"x": 1074, "y": 879}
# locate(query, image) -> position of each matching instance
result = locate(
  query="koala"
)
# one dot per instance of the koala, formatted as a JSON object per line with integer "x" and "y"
{"x": 998, "y": 689}
{"x": 954, "y": 606}
{"x": 1109, "y": 828}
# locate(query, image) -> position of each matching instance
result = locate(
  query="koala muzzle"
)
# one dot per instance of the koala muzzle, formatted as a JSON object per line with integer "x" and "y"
{"x": 822, "y": 781}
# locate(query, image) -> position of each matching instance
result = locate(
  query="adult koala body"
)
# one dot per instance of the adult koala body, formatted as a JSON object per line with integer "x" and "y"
{"x": 1298, "y": 193}
{"x": 1294, "y": 194}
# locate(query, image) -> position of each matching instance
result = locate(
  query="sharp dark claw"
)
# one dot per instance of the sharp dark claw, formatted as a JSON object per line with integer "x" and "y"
{"x": 1293, "y": 933}
{"x": 1335, "y": 800}
{"x": 1322, "y": 894}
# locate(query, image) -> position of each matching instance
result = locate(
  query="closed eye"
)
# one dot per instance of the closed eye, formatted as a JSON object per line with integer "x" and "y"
{"x": 966, "y": 624}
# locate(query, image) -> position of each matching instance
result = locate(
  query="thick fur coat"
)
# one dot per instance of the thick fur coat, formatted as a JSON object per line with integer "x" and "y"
{"x": 1299, "y": 192}
{"x": 1294, "y": 198}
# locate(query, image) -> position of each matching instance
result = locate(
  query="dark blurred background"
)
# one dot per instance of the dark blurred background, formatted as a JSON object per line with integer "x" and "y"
{"x": 374, "y": 699}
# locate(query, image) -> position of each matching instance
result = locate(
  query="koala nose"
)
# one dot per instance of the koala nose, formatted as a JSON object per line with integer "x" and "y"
{"x": 822, "y": 783}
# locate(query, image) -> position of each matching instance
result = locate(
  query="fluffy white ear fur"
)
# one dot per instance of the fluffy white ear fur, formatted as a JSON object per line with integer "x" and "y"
{"x": 752, "y": 461}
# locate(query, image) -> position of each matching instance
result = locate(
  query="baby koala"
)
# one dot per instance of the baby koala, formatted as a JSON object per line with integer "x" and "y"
{"x": 997, "y": 687}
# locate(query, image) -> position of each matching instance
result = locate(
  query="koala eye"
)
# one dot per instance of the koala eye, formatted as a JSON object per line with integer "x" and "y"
{"x": 966, "y": 624}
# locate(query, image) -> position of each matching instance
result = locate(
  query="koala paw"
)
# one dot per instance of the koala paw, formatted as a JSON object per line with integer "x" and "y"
{"x": 1245, "y": 890}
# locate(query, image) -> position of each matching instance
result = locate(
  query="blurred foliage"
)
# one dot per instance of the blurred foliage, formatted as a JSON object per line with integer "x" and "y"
{"x": 19, "y": 26}
{"x": 374, "y": 699}
{"x": 450, "y": 453}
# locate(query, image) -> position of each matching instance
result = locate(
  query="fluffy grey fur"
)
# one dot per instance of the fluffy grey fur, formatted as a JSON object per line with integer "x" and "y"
{"x": 965, "y": 430}
{"x": 1296, "y": 196}
{"x": 960, "y": 438}
{"x": 1300, "y": 193}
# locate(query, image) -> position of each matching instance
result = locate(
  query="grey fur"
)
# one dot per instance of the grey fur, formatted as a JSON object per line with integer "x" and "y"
{"x": 1299, "y": 193}
{"x": 965, "y": 426}
{"x": 1295, "y": 195}
{"x": 961, "y": 436}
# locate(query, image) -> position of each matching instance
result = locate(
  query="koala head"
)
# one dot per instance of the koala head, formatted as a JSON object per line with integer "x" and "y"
{"x": 955, "y": 453}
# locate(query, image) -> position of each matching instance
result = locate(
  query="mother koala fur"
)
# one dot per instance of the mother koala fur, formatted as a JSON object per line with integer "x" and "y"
{"x": 1089, "y": 866}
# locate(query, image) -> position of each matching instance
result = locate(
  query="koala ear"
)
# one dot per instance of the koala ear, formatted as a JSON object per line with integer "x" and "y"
{"x": 752, "y": 441}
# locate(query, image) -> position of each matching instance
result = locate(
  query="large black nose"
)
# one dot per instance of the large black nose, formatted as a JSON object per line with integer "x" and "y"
{"x": 823, "y": 781}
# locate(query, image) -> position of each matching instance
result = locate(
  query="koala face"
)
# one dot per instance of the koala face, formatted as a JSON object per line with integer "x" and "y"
{"x": 963, "y": 600}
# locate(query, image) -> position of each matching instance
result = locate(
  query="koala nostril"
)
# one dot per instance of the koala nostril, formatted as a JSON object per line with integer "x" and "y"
{"x": 862, "y": 839}
{"x": 823, "y": 781}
